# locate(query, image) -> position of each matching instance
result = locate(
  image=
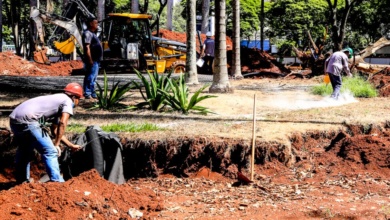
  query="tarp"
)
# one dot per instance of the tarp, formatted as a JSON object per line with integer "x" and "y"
{"x": 255, "y": 44}
{"x": 74, "y": 163}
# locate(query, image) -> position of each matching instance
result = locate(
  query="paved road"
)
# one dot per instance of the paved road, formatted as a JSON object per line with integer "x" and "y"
{"x": 55, "y": 84}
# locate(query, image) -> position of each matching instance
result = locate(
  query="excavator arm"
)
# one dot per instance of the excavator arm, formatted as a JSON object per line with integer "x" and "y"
{"x": 41, "y": 17}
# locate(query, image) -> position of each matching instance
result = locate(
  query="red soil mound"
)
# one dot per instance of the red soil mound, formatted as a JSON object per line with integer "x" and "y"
{"x": 86, "y": 196}
{"x": 13, "y": 65}
{"x": 381, "y": 81}
{"x": 255, "y": 60}
{"x": 182, "y": 37}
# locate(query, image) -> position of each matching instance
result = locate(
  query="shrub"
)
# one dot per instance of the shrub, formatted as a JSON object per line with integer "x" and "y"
{"x": 359, "y": 87}
{"x": 154, "y": 99}
{"x": 356, "y": 85}
{"x": 178, "y": 99}
{"x": 110, "y": 100}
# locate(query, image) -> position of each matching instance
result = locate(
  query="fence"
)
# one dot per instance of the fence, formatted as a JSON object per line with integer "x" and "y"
{"x": 9, "y": 48}
{"x": 373, "y": 60}
{"x": 383, "y": 61}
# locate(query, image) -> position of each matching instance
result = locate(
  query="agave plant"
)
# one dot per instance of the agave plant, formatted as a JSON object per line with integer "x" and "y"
{"x": 111, "y": 99}
{"x": 154, "y": 99}
{"x": 180, "y": 101}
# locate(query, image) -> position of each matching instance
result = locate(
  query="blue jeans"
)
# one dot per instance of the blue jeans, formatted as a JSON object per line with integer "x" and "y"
{"x": 28, "y": 138}
{"x": 90, "y": 79}
{"x": 336, "y": 81}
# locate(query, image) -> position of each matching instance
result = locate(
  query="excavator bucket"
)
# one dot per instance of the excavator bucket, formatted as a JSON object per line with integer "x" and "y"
{"x": 40, "y": 56}
{"x": 65, "y": 47}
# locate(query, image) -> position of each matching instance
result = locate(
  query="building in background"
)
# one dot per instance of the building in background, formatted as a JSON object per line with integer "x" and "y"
{"x": 8, "y": 47}
{"x": 211, "y": 24}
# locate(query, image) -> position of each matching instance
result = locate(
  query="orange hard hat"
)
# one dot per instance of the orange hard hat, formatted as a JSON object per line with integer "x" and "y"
{"x": 74, "y": 89}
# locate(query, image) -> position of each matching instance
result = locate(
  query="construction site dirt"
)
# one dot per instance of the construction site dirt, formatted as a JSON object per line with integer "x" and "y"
{"x": 314, "y": 158}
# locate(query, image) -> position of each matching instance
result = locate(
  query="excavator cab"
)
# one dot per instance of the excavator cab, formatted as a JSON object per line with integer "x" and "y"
{"x": 127, "y": 41}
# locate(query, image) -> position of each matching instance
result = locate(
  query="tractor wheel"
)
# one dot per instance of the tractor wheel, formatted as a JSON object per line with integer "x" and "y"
{"x": 178, "y": 67}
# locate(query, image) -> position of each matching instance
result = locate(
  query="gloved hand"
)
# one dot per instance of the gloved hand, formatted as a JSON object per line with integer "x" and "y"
{"x": 58, "y": 150}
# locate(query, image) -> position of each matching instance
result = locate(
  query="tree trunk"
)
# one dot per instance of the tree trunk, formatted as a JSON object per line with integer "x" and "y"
{"x": 163, "y": 3}
{"x": 33, "y": 30}
{"x": 169, "y": 15}
{"x": 382, "y": 42}
{"x": 370, "y": 68}
{"x": 220, "y": 74}
{"x": 49, "y": 6}
{"x": 101, "y": 10}
{"x": 50, "y": 84}
{"x": 338, "y": 25}
{"x": 357, "y": 61}
{"x": 312, "y": 42}
{"x": 15, "y": 19}
{"x": 361, "y": 65}
{"x": 1, "y": 27}
{"x": 135, "y": 6}
{"x": 262, "y": 25}
{"x": 143, "y": 8}
{"x": 236, "y": 68}
{"x": 191, "y": 70}
{"x": 205, "y": 16}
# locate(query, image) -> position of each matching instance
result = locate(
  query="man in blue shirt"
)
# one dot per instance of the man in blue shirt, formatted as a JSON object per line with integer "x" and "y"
{"x": 93, "y": 52}
{"x": 208, "y": 52}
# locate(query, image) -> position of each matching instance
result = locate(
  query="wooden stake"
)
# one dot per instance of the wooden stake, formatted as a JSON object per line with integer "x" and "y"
{"x": 253, "y": 138}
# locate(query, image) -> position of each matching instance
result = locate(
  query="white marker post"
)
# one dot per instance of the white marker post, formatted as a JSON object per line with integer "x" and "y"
{"x": 253, "y": 138}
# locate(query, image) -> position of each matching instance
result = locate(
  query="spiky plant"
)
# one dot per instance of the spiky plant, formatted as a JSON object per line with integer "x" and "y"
{"x": 109, "y": 100}
{"x": 154, "y": 99}
{"x": 179, "y": 98}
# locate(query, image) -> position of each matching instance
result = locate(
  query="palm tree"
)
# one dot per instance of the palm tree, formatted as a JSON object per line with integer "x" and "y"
{"x": 135, "y": 6}
{"x": 205, "y": 15}
{"x": 220, "y": 77}
{"x": 169, "y": 15}
{"x": 236, "y": 68}
{"x": 101, "y": 12}
{"x": 191, "y": 72}
{"x": 1, "y": 26}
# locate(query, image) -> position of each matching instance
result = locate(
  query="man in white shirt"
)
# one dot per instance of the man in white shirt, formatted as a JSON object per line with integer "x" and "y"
{"x": 27, "y": 123}
{"x": 334, "y": 66}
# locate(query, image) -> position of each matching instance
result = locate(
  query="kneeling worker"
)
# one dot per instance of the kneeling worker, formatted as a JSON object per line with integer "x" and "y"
{"x": 27, "y": 121}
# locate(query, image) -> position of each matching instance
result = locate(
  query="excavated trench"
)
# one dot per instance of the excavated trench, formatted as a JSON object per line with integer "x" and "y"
{"x": 363, "y": 146}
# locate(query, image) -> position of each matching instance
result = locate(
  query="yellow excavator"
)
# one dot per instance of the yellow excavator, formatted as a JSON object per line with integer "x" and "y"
{"x": 127, "y": 40}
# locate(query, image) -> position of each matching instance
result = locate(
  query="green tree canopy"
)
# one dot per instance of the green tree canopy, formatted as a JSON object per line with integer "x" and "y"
{"x": 292, "y": 18}
{"x": 368, "y": 21}
{"x": 179, "y": 23}
{"x": 249, "y": 17}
